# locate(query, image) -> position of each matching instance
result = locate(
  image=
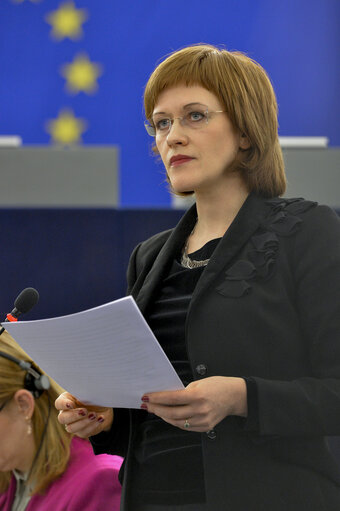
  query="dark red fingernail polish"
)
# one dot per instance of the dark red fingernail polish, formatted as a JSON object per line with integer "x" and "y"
{"x": 101, "y": 419}
{"x": 92, "y": 416}
{"x": 82, "y": 413}
{"x": 143, "y": 406}
{"x": 68, "y": 405}
{"x": 145, "y": 398}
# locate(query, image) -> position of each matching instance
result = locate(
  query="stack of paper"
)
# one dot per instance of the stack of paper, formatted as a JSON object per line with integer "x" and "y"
{"x": 105, "y": 356}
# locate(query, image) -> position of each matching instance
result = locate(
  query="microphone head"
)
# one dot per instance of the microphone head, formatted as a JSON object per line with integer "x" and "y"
{"x": 26, "y": 300}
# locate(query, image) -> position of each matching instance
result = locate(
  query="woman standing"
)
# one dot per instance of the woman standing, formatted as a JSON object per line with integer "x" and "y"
{"x": 243, "y": 296}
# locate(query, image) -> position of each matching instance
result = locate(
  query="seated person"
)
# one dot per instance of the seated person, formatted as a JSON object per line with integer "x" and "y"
{"x": 42, "y": 466}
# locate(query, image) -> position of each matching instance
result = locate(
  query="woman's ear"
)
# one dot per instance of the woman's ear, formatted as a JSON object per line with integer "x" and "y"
{"x": 244, "y": 142}
{"x": 25, "y": 402}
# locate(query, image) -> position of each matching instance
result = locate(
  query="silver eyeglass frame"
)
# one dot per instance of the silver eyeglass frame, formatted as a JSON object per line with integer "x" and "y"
{"x": 151, "y": 130}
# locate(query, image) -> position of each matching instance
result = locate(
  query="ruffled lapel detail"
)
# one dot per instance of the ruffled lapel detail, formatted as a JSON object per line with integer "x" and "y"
{"x": 259, "y": 261}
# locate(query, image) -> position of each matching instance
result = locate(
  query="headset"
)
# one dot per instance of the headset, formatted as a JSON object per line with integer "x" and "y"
{"x": 34, "y": 381}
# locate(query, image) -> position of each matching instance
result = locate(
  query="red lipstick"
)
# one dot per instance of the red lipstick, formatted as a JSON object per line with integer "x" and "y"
{"x": 179, "y": 159}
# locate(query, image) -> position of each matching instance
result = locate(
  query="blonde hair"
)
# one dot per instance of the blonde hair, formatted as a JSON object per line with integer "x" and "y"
{"x": 246, "y": 93}
{"x": 54, "y": 454}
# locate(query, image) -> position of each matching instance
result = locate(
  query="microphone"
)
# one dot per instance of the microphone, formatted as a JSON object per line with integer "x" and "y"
{"x": 24, "y": 302}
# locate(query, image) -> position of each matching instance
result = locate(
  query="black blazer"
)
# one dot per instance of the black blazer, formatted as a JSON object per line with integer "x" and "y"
{"x": 266, "y": 306}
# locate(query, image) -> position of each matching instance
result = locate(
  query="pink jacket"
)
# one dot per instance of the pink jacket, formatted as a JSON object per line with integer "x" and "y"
{"x": 90, "y": 483}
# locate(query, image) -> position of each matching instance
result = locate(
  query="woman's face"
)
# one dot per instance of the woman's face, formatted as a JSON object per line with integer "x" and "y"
{"x": 207, "y": 151}
{"x": 16, "y": 445}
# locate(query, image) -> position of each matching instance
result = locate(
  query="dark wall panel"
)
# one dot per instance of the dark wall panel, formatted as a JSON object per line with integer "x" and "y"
{"x": 76, "y": 258}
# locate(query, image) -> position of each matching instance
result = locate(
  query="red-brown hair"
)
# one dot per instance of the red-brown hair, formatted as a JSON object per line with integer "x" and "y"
{"x": 246, "y": 93}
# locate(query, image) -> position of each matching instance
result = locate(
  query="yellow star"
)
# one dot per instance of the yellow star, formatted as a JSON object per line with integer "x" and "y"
{"x": 66, "y": 129}
{"x": 66, "y": 21}
{"x": 81, "y": 74}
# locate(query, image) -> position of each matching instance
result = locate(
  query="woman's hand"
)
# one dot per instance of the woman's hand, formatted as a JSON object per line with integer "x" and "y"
{"x": 202, "y": 404}
{"x": 83, "y": 421}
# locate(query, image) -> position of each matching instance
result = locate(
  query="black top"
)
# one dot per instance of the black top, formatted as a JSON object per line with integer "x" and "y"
{"x": 168, "y": 460}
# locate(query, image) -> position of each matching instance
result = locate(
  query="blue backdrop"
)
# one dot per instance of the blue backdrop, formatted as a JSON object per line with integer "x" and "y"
{"x": 93, "y": 58}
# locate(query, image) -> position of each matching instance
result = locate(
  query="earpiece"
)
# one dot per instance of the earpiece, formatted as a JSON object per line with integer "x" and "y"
{"x": 34, "y": 381}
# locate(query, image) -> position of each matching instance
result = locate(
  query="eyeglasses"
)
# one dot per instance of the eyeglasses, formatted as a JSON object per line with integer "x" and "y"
{"x": 193, "y": 119}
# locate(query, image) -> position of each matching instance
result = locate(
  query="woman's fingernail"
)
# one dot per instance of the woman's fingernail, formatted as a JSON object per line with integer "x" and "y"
{"x": 101, "y": 419}
{"x": 145, "y": 398}
{"x": 68, "y": 405}
{"x": 82, "y": 413}
{"x": 143, "y": 406}
{"x": 92, "y": 416}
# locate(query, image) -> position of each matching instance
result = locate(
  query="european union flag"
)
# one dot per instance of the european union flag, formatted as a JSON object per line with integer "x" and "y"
{"x": 73, "y": 71}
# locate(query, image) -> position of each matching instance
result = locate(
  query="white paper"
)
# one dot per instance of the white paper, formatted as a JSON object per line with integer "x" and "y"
{"x": 106, "y": 356}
